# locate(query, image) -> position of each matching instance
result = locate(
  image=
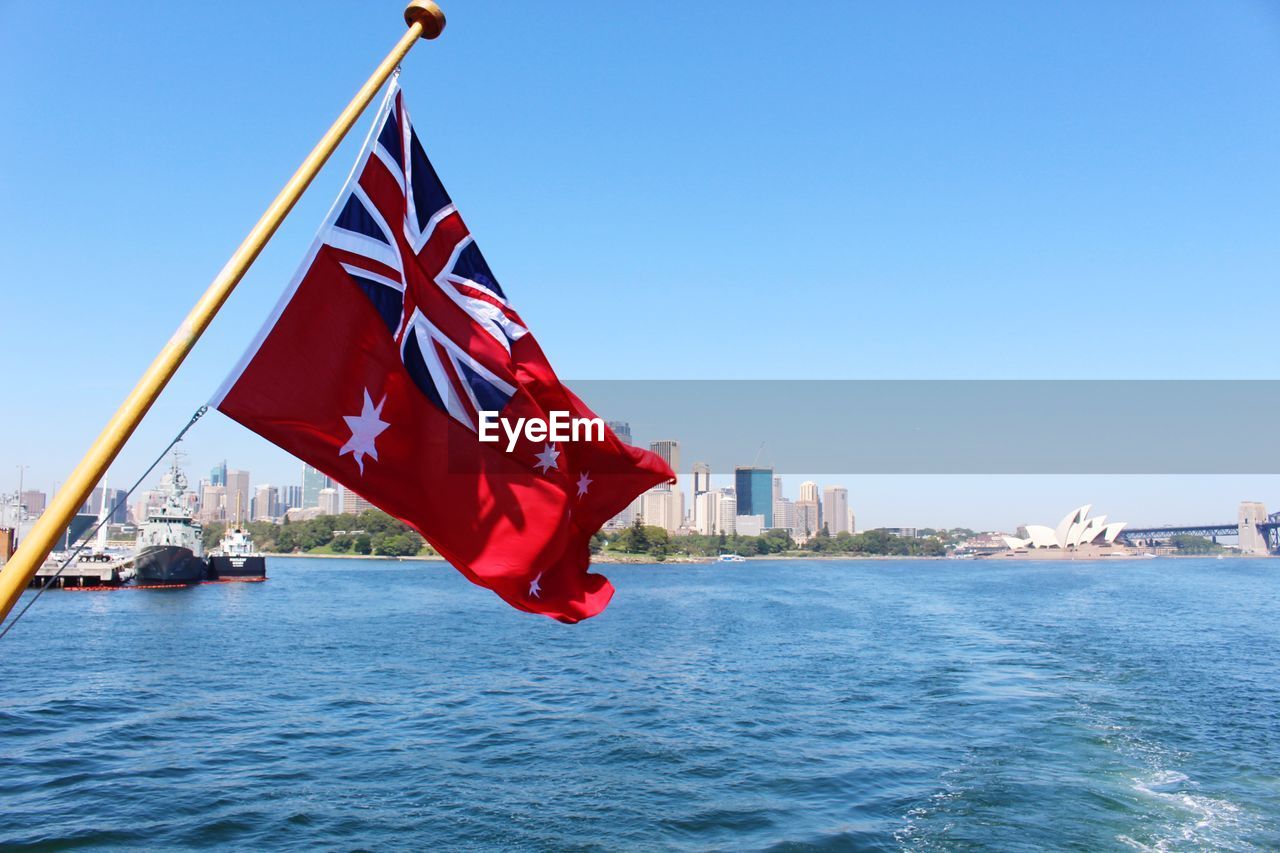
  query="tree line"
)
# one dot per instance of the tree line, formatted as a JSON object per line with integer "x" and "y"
{"x": 369, "y": 532}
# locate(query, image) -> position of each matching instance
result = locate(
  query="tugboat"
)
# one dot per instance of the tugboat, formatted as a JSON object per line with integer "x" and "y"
{"x": 236, "y": 556}
{"x": 170, "y": 547}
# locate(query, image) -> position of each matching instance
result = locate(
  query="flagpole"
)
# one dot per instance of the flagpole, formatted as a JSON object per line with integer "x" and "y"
{"x": 425, "y": 20}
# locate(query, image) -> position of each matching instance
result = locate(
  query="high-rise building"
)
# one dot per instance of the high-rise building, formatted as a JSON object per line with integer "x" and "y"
{"x": 853, "y": 521}
{"x": 784, "y": 514}
{"x": 265, "y": 503}
{"x": 621, "y": 429}
{"x": 312, "y": 482}
{"x": 754, "y": 488}
{"x": 114, "y": 497}
{"x": 807, "y": 521}
{"x": 218, "y": 474}
{"x": 777, "y": 488}
{"x": 809, "y": 493}
{"x": 663, "y": 507}
{"x": 237, "y": 499}
{"x": 669, "y": 451}
{"x": 290, "y": 497}
{"x": 728, "y": 512}
{"x": 835, "y": 505}
{"x": 34, "y": 501}
{"x": 213, "y": 503}
{"x": 706, "y": 513}
{"x": 701, "y": 478}
{"x": 330, "y": 503}
{"x": 353, "y": 504}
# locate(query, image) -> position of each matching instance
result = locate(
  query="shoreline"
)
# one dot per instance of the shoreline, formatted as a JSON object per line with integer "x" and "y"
{"x": 640, "y": 559}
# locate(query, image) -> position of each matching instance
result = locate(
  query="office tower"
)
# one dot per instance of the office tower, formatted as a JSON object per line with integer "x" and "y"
{"x": 238, "y": 495}
{"x": 670, "y": 452}
{"x": 784, "y": 514}
{"x": 621, "y": 429}
{"x": 265, "y": 507}
{"x": 853, "y": 526}
{"x": 754, "y": 488}
{"x": 663, "y": 508}
{"x": 807, "y": 521}
{"x": 353, "y": 504}
{"x": 809, "y": 493}
{"x": 34, "y": 501}
{"x": 777, "y": 488}
{"x": 114, "y": 498}
{"x": 750, "y": 525}
{"x": 706, "y": 513}
{"x": 213, "y": 503}
{"x": 312, "y": 482}
{"x": 291, "y": 497}
{"x": 835, "y": 505}
{"x": 329, "y": 501}
{"x": 701, "y": 478}
{"x": 728, "y": 512}
{"x": 218, "y": 474}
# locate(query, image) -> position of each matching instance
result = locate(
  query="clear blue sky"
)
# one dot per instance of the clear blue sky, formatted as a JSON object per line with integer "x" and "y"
{"x": 712, "y": 189}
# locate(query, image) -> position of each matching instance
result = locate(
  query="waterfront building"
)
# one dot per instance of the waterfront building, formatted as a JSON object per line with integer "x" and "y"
{"x": 353, "y": 504}
{"x": 853, "y": 526}
{"x": 808, "y": 519}
{"x": 312, "y": 482}
{"x": 835, "y": 505}
{"x": 329, "y": 501}
{"x": 784, "y": 515}
{"x": 727, "y": 512}
{"x": 621, "y": 429}
{"x": 1075, "y": 530}
{"x": 750, "y": 525}
{"x": 663, "y": 507}
{"x": 809, "y": 494}
{"x": 754, "y": 489}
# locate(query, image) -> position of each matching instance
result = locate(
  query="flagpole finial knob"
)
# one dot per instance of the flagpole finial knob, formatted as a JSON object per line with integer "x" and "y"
{"x": 426, "y": 13}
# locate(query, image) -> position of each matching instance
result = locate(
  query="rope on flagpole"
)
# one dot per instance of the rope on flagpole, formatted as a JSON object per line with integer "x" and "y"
{"x": 199, "y": 413}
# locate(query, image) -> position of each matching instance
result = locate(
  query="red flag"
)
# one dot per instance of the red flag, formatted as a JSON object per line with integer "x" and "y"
{"x": 391, "y": 339}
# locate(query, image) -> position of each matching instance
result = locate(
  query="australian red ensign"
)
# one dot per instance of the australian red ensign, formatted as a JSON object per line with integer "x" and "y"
{"x": 389, "y": 341}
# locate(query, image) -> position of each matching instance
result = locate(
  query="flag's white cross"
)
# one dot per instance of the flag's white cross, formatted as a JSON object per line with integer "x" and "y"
{"x": 583, "y": 483}
{"x": 547, "y": 459}
{"x": 365, "y": 428}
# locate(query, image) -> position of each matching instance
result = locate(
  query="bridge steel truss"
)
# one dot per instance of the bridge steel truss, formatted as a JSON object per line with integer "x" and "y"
{"x": 1270, "y": 529}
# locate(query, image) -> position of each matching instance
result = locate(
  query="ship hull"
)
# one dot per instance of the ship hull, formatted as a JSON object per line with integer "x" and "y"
{"x": 253, "y": 566}
{"x": 167, "y": 564}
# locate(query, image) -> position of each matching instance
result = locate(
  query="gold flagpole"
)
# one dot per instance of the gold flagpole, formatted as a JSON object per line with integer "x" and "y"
{"x": 425, "y": 20}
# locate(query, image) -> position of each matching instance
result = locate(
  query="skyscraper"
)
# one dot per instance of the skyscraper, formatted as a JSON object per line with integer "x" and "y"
{"x": 809, "y": 495}
{"x": 330, "y": 503}
{"x": 669, "y": 451}
{"x": 265, "y": 505}
{"x": 835, "y": 504}
{"x": 777, "y": 488}
{"x": 754, "y": 488}
{"x": 621, "y": 429}
{"x": 353, "y": 504}
{"x": 237, "y": 499}
{"x": 218, "y": 474}
{"x": 312, "y": 482}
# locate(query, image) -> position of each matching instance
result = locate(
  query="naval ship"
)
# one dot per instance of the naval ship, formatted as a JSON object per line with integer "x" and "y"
{"x": 170, "y": 548}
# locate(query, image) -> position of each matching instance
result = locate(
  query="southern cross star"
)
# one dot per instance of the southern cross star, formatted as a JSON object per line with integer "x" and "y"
{"x": 547, "y": 459}
{"x": 583, "y": 483}
{"x": 535, "y": 589}
{"x": 365, "y": 428}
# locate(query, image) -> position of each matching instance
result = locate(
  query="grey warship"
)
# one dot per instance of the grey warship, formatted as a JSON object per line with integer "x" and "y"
{"x": 170, "y": 546}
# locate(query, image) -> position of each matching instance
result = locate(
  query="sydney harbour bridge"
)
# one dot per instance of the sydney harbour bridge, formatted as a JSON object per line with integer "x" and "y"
{"x": 1265, "y": 532}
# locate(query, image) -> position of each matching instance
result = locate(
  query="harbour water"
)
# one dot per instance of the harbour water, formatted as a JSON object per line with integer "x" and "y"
{"x": 869, "y": 704}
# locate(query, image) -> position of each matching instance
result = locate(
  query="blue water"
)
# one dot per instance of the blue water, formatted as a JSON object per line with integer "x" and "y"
{"x": 896, "y": 704}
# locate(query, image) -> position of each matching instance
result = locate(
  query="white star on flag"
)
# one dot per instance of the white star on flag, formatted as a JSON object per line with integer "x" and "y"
{"x": 535, "y": 589}
{"x": 365, "y": 427}
{"x": 583, "y": 482}
{"x": 547, "y": 459}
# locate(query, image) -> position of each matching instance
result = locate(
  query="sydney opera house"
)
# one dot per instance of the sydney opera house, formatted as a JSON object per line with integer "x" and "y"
{"x": 1076, "y": 532}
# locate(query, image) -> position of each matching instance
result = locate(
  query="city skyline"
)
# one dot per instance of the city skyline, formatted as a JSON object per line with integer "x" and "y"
{"x": 1004, "y": 204}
